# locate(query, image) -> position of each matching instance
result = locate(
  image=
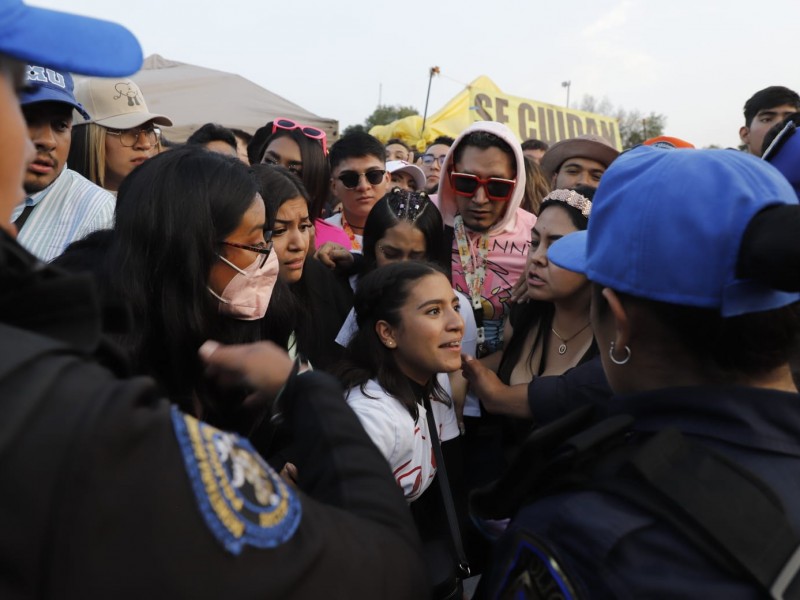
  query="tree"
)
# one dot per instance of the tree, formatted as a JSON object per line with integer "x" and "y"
{"x": 354, "y": 128}
{"x": 634, "y": 126}
{"x": 385, "y": 114}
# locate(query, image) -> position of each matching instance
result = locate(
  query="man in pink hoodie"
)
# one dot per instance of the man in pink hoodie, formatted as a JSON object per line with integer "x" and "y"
{"x": 480, "y": 192}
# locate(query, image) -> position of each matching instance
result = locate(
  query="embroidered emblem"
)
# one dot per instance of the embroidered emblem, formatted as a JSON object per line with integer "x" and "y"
{"x": 127, "y": 90}
{"x": 242, "y": 500}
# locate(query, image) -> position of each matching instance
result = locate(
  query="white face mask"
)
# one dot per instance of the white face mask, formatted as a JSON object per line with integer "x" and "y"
{"x": 247, "y": 295}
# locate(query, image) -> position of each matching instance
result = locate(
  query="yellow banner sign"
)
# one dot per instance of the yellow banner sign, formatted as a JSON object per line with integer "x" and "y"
{"x": 546, "y": 122}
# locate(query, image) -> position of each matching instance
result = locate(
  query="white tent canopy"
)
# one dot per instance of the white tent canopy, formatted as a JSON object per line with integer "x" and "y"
{"x": 192, "y": 96}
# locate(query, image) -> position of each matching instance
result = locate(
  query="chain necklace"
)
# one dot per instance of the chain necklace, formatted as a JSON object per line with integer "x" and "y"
{"x": 562, "y": 349}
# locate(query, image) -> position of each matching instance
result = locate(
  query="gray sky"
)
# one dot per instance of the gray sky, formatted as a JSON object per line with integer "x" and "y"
{"x": 695, "y": 61}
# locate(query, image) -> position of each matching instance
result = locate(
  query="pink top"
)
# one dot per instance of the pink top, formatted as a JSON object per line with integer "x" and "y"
{"x": 326, "y": 232}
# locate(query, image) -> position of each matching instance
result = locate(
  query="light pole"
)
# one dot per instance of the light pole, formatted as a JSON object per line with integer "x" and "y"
{"x": 567, "y": 85}
{"x": 433, "y": 71}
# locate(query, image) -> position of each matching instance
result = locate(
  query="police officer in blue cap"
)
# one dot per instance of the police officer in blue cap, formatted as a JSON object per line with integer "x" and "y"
{"x": 689, "y": 488}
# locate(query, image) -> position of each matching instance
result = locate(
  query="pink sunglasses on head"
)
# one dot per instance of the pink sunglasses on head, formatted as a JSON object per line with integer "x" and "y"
{"x": 308, "y": 131}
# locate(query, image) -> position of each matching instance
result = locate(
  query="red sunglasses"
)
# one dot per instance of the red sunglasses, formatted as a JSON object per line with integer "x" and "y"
{"x": 308, "y": 131}
{"x": 497, "y": 189}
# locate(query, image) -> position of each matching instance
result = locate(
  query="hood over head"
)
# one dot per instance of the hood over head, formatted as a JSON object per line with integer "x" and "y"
{"x": 447, "y": 198}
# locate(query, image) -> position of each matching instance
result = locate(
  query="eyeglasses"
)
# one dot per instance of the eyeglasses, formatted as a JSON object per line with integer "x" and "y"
{"x": 350, "y": 179}
{"x": 497, "y": 189}
{"x": 129, "y": 137}
{"x": 308, "y": 131}
{"x": 428, "y": 159}
{"x": 262, "y": 250}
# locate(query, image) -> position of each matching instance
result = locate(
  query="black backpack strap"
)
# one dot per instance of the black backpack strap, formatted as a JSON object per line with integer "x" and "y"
{"x": 724, "y": 510}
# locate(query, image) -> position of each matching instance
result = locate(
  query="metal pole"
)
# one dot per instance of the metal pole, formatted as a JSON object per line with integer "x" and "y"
{"x": 567, "y": 84}
{"x": 433, "y": 71}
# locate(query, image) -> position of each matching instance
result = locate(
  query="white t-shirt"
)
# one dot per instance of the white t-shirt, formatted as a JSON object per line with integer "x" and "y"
{"x": 337, "y": 221}
{"x": 405, "y": 444}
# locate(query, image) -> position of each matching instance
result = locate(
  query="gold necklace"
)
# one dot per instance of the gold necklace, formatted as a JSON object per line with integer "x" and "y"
{"x": 562, "y": 349}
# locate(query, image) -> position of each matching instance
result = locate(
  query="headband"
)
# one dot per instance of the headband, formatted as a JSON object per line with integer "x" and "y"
{"x": 572, "y": 198}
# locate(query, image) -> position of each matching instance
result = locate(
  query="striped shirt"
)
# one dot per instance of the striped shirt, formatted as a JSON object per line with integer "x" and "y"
{"x": 67, "y": 210}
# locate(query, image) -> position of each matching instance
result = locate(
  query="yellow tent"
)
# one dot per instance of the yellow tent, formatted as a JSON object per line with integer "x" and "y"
{"x": 482, "y": 100}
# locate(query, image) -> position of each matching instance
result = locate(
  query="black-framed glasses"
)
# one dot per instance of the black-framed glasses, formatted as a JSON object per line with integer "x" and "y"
{"x": 429, "y": 159}
{"x": 497, "y": 189}
{"x": 262, "y": 250}
{"x": 350, "y": 179}
{"x": 129, "y": 137}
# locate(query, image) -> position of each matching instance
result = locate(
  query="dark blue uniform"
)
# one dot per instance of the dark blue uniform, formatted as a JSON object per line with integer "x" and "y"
{"x": 608, "y": 548}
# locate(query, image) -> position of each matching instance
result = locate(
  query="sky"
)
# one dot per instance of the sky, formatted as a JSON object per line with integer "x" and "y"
{"x": 695, "y": 61}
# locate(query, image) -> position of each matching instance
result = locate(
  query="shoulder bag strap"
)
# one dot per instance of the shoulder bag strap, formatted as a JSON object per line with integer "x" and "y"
{"x": 447, "y": 496}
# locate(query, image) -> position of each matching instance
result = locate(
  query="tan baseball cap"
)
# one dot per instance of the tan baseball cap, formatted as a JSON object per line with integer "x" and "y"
{"x": 117, "y": 103}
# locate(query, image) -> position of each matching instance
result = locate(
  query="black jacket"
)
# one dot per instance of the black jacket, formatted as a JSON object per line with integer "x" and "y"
{"x": 110, "y": 492}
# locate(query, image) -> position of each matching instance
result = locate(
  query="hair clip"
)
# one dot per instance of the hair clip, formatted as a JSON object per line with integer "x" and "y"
{"x": 408, "y": 206}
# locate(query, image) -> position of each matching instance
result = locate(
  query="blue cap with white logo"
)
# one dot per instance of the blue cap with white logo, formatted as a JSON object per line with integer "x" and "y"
{"x": 49, "y": 85}
{"x": 668, "y": 226}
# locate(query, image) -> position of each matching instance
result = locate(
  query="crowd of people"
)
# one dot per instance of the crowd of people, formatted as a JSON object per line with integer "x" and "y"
{"x": 268, "y": 364}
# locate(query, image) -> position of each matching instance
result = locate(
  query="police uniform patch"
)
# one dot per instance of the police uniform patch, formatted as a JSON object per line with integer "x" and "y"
{"x": 242, "y": 500}
{"x": 533, "y": 572}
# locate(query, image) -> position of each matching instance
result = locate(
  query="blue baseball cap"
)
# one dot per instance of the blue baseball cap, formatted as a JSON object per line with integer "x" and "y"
{"x": 48, "y": 85}
{"x": 67, "y": 42}
{"x": 668, "y": 226}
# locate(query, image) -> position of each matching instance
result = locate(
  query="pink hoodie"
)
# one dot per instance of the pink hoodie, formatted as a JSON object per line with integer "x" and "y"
{"x": 509, "y": 238}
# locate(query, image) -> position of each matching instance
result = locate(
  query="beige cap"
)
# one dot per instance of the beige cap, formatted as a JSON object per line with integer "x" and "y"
{"x": 117, "y": 103}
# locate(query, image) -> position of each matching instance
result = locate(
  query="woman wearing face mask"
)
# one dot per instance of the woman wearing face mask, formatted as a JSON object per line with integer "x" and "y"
{"x": 321, "y": 300}
{"x": 190, "y": 259}
{"x": 121, "y": 135}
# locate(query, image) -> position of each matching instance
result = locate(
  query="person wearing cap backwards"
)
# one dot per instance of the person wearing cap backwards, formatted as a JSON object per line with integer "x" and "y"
{"x": 61, "y": 206}
{"x": 696, "y": 495}
{"x": 110, "y": 493}
{"x": 580, "y": 160}
{"x": 121, "y": 134}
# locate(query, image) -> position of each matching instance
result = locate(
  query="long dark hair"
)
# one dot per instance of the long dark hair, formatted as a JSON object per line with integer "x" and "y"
{"x": 172, "y": 213}
{"x": 415, "y": 208}
{"x": 380, "y": 297}
{"x": 278, "y": 185}
{"x": 316, "y": 173}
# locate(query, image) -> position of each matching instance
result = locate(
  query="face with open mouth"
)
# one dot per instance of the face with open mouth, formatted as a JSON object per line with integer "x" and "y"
{"x": 545, "y": 281}
{"x": 427, "y": 340}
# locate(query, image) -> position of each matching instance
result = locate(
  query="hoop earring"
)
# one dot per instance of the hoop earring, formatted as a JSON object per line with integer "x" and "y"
{"x": 619, "y": 362}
